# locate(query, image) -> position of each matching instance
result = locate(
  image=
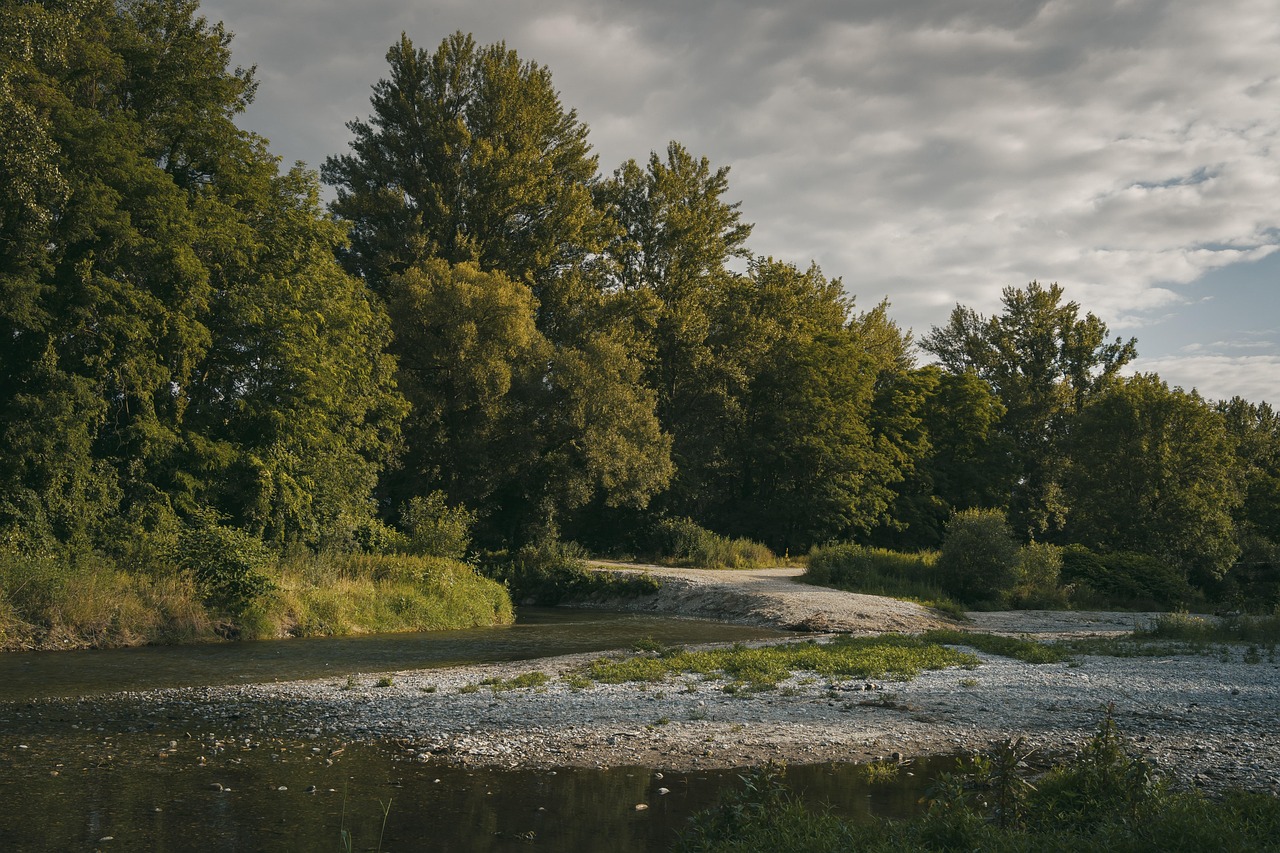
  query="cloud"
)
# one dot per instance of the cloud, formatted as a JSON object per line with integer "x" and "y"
{"x": 931, "y": 151}
{"x": 1219, "y": 377}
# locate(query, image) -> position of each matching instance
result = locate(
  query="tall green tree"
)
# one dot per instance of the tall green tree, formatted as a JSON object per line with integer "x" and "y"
{"x": 1151, "y": 470}
{"x": 470, "y": 197}
{"x": 677, "y": 234}
{"x": 172, "y": 311}
{"x": 962, "y": 462}
{"x": 1044, "y": 361}
{"x": 1255, "y": 431}
{"x": 469, "y": 156}
{"x": 503, "y": 420}
{"x": 796, "y": 452}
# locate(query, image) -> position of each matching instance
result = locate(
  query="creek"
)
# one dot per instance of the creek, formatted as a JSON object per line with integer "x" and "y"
{"x": 130, "y": 773}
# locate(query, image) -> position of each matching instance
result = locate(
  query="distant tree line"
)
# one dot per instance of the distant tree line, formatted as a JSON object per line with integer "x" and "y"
{"x": 486, "y": 323}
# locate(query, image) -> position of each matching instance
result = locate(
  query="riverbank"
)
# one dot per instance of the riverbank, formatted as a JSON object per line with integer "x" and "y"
{"x": 1210, "y": 720}
{"x": 1213, "y": 719}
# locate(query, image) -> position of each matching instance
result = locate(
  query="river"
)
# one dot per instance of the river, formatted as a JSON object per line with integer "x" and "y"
{"x": 140, "y": 773}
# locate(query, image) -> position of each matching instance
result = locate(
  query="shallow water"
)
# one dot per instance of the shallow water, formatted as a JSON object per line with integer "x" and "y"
{"x": 137, "y": 774}
{"x": 538, "y": 632}
{"x": 117, "y": 792}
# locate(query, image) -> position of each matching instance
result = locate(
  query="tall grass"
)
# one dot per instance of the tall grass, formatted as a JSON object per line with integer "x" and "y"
{"x": 684, "y": 542}
{"x": 340, "y": 594}
{"x": 58, "y": 600}
{"x": 877, "y": 571}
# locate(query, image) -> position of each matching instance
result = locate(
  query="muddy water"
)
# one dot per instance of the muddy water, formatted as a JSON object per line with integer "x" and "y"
{"x": 132, "y": 774}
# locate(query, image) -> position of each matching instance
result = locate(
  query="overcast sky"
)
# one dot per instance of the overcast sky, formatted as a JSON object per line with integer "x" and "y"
{"x": 931, "y": 152}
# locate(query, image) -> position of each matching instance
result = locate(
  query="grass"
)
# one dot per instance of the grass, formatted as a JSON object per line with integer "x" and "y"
{"x": 1103, "y": 798}
{"x": 682, "y": 542}
{"x": 50, "y": 600}
{"x": 756, "y": 668}
{"x": 878, "y": 571}
{"x": 1027, "y": 651}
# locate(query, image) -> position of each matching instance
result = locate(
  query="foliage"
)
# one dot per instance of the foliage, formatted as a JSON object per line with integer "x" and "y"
{"x": 229, "y": 566}
{"x": 683, "y": 541}
{"x": 1151, "y": 472}
{"x": 979, "y": 557}
{"x": 469, "y": 157}
{"x": 1231, "y": 629}
{"x": 886, "y": 656}
{"x": 176, "y": 334}
{"x": 878, "y": 571}
{"x": 435, "y": 529}
{"x": 1044, "y": 362}
{"x": 1037, "y": 577}
{"x": 555, "y": 573}
{"x": 1027, "y": 651}
{"x": 337, "y": 594}
{"x": 1126, "y": 578}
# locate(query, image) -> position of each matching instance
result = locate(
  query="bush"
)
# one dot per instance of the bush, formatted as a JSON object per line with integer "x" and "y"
{"x": 555, "y": 572}
{"x": 979, "y": 557}
{"x": 1037, "y": 578}
{"x": 1125, "y": 578}
{"x": 358, "y": 593}
{"x": 684, "y": 540}
{"x": 229, "y": 565}
{"x": 435, "y": 529}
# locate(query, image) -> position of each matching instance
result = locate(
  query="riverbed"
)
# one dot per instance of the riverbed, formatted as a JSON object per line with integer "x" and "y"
{"x": 255, "y": 763}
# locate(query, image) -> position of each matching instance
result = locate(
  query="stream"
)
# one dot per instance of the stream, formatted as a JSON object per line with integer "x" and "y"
{"x": 81, "y": 769}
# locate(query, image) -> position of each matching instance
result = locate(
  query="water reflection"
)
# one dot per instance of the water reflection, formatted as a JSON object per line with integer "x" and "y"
{"x": 286, "y": 797}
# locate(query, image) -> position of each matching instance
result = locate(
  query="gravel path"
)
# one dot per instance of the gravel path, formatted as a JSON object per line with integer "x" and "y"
{"x": 773, "y": 598}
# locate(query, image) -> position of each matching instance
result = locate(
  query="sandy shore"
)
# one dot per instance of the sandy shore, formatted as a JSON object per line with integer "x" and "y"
{"x": 1214, "y": 720}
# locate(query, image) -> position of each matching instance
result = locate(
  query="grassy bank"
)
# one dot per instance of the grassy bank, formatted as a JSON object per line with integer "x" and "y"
{"x": 56, "y": 601}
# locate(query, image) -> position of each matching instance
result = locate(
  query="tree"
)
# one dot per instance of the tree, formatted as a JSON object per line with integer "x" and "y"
{"x": 176, "y": 339}
{"x": 1151, "y": 470}
{"x": 979, "y": 557}
{"x": 505, "y": 421}
{"x": 1255, "y": 431}
{"x": 790, "y": 447}
{"x": 961, "y": 465}
{"x": 469, "y": 156}
{"x": 1044, "y": 362}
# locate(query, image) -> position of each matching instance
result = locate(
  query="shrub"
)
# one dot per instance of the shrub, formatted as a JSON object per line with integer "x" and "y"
{"x": 228, "y": 565}
{"x": 1037, "y": 577}
{"x": 979, "y": 556}
{"x": 684, "y": 540}
{"x": 435, "y": 529}
{"x": 1127, "y": 578}
{"x": 555, "y": 572}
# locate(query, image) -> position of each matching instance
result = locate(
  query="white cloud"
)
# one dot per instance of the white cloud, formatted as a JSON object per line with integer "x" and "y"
{"x": 1220, "y": 377}
{"x": 934, "y": 151}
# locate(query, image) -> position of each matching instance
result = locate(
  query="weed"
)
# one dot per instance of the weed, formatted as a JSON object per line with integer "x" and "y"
{"x": 887, "y": 656}
{"x": 879, "y": 772}
{"x": 385, "y": 681}
{"x": 1027, "y": 651}
{"x": 469, "y": 688}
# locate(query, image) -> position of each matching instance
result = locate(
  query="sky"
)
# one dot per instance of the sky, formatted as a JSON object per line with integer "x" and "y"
{"x": 933, "y": 152}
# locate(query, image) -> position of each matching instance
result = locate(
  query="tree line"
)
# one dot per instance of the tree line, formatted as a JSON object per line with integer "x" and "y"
{"x": 484, "y": 322}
